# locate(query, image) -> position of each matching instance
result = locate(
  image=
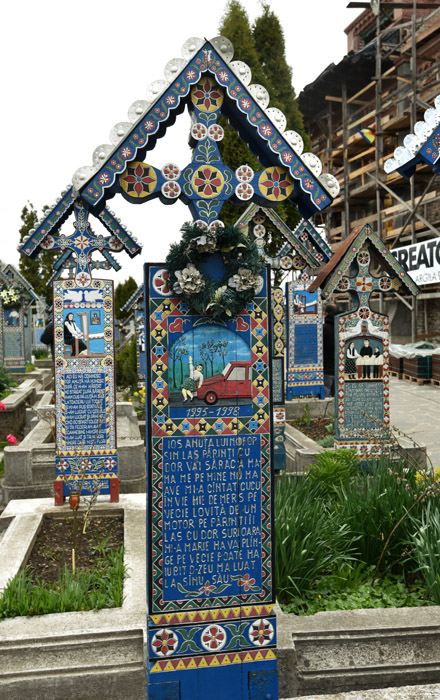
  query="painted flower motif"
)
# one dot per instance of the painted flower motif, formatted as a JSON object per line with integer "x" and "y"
{"x": 190, "y": 75}
{"x": 246, "y": 279}
{"x": 11, "y": 439}
{"x": 213, "y": 638}
{"x": 223, "y": 75}
{"x": 266, "y": 130}
{"x": 126, "y": 152}
{"x": 189, "y": 280}
{"x": 207, "y": 588}
{"x": 164, "y": 642}
{"x": 246, "y": 582}
{"x": 261, "y": 632}
{"x": 287, "y": 156}
{"x": 2, "y": 406}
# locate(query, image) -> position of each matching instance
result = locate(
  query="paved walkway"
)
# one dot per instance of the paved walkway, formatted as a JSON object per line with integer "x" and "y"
{"x": 416, "y": 692}
{"x": 415, "y": 410}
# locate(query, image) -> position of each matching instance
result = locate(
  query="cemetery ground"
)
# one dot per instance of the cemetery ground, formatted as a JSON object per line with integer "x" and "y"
{"x": 372, "y": 506}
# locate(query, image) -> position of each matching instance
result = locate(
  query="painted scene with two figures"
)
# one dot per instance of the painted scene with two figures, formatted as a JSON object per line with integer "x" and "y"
{"x": 209, "y": 365}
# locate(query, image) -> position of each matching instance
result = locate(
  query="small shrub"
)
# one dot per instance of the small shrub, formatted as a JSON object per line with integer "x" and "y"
{"x": 373, "y": 504}
{"x": 333, "y": 469}
{"x": 350, "y": 588}
{"x": 101, "y": 587}
{"x": 6, "y": 381}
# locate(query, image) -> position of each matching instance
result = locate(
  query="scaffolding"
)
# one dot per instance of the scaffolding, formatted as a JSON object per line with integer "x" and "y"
{"x": 384, "y": 86}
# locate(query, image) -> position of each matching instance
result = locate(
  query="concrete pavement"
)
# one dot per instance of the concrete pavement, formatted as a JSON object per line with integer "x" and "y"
{"x": 415, "y": 410}
{"x": 416, "y": 692}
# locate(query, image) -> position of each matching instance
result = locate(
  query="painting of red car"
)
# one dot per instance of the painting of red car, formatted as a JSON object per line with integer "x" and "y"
{"x": 234, "y": 382}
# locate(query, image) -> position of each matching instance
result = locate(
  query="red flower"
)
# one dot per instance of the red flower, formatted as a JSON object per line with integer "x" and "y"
{"x": 2, "y": 406}
{"x": 11, "y": 439}
{"x": 246, "y": 582}
{"x": 206, "y": 589}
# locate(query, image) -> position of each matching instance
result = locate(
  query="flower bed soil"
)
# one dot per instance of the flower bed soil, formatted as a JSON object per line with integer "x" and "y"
{"x": 53, "y": 545}
{"x": 316, "y": 429}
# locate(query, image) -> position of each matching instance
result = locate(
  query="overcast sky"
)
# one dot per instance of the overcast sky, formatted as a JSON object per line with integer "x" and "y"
{"x": 71, "y": 70}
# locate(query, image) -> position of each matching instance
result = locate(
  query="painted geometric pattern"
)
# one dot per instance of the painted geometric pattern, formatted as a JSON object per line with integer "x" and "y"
{"x": 304, "y": 332}
{"x": 94, "y": 448}
{"x": 162, "y": 312}
{"x": 207, "y": 61}
{"x": 193, "y": 662}
{"x": 218, "y": 615}
{"x": 278, "y": 314}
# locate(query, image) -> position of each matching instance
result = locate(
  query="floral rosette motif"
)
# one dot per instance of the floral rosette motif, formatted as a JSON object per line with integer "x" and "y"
{"x": 240, "y": 279}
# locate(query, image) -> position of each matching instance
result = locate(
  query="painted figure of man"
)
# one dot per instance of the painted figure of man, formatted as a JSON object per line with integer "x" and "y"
{"x": 366, "y": 352}
{"x": 194, "y": 381}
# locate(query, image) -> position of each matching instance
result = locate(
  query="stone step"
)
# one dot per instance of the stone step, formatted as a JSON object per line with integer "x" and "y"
{"x": 412, "y": 692}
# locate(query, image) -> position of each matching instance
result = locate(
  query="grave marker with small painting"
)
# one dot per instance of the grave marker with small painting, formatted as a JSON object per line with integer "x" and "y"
{"x": 362, "y": 340}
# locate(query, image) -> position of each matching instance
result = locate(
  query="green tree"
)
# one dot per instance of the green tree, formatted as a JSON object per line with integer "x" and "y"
{"x": 271, "y": 49}
{"x": 39, "y": 271}
{"x": 123, "y": 292}
{"x": 235, "y": 152}
{"x": 262, "y": 48}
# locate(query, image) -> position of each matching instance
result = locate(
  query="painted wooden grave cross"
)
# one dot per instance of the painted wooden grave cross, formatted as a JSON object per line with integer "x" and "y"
{"x": 81, "y": 245}
{"x": 212, "y": 631}
{"x": 16, "y": 299}
{"x": 362, "y": 340}
{"x": 86, "y": 449}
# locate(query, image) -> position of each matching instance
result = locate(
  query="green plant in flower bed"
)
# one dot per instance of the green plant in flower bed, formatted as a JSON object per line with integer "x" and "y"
{"x": 100, "y": 587}
{"x": 426, "y": 543}
{"x": 41, "y": 353}
{"x": 349, "y": 538}
{"x": 350, "y": 588}
{"x": 333, "y": 469}
{"x": 372, "y": 505}
{"x": 30, "y": 366}
{"x": 310, "y": 539}
{"x": 6, "y": 381}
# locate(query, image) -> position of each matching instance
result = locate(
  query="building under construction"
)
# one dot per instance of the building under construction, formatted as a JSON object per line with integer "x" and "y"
{"x": 357, "y": 113}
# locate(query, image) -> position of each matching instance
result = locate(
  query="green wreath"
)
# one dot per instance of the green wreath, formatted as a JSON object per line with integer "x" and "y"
{"x": 240, "y": 283}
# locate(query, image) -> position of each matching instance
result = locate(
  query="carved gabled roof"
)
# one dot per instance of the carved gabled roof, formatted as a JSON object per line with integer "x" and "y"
{"x": 328, "y": 278}
{"x": 10, "y": 272}
{"x": 294, "y": 242}
{"x": 421, "y": 146}
{"x": 133, "y": 299}
{"x": 52, "y": 221}
{"x": 247, "y": 106}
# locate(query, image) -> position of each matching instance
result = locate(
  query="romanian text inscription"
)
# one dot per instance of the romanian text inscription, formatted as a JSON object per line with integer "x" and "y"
{"x": 211, "y": 515}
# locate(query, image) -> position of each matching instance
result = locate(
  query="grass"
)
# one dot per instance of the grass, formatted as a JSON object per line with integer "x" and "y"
{"x": 92, "y": 589}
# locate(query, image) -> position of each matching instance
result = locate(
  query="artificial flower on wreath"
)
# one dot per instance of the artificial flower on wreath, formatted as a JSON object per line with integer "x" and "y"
{"x": 240, "y": 282}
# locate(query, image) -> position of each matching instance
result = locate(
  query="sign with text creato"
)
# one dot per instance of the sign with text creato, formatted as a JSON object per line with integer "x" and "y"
{"x": 421, "y": 261}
